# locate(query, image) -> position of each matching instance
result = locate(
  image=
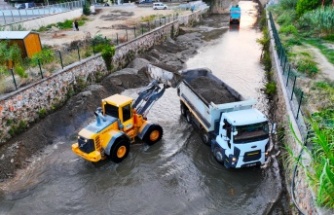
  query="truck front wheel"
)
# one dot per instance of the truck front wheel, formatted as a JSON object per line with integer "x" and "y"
{"x": 218, "y": 155}
{"x": 119, "y": 150}
{"x": 153, "y": 134}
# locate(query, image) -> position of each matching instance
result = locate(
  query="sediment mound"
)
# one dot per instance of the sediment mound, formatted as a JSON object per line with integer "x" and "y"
{"x": 212, "y": 91}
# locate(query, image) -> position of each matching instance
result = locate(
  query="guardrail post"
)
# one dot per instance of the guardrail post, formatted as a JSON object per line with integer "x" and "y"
{"x": 300, "y": 103}
{"x": 293, "y": 88}
{"x": 12, "y": 72}
{"x": 61, "y": 60}
{"x": 142, "y": 30}
{"x": 287, "y": 78}
{"x": 134, "y": 31}
{"x": 127, "y": 36}
{"x": 79, "y": 53}
{"x": 117, "y": 38}
{"x": 149, "y": 26}
{"x": 4, "y": 18}
{"x": 40, "y": 68}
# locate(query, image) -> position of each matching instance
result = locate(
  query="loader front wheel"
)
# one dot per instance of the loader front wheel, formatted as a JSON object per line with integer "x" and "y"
{"x": 153, "y": 134}
{"x": 120, "y": 150}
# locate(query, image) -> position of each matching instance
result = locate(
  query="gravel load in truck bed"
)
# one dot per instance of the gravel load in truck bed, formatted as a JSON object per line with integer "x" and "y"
{"x": 211, "y": 90}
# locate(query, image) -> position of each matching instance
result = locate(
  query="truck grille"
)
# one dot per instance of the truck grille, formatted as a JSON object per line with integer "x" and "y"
{"x": 253, "y": 155}
{"x": 86, "y": 145}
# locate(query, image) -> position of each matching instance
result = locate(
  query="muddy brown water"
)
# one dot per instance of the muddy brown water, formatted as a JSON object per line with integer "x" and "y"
{"x": 178, "y": 175}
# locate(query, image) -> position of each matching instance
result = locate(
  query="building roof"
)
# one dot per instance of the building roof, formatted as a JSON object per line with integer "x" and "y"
{"x": 13, "y": 34}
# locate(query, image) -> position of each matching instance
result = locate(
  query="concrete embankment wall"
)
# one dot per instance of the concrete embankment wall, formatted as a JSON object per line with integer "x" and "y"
{"x": 26, "y": 105}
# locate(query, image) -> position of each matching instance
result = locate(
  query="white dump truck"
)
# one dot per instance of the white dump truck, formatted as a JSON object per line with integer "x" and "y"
{"x": 237, "y": 132}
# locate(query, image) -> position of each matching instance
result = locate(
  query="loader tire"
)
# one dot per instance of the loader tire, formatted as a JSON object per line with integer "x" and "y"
{"x": 153, "y": 134}
{"x": 120, "y": 150}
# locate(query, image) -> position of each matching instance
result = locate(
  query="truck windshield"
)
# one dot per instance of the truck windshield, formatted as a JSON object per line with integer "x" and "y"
{"x": 251, "y": 133}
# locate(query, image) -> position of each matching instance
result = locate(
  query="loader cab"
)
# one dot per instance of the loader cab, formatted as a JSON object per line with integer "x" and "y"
{"x": 120, "y": 107}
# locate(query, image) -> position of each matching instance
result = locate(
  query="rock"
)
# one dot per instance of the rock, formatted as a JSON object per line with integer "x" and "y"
{"x": 138, "y": 63}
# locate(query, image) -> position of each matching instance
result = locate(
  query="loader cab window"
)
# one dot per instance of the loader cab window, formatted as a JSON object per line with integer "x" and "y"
{"x": 111, "y": 110}
{"x": 126, "y": 112}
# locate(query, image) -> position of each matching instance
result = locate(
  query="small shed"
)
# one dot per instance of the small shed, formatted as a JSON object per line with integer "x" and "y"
{"x": 29, "y": 42}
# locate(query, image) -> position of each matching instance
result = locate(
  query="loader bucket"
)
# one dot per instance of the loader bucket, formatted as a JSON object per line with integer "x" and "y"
{"x": 164, "y": 74}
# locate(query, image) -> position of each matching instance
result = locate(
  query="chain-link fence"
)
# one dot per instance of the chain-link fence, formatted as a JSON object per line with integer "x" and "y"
{"x": 12, "y": 15}
{"x": 290, "y": 75}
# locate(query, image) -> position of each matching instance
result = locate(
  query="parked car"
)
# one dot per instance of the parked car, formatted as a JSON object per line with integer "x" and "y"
{"x": 25, "y": 5}
{"x": 159, "y": 6}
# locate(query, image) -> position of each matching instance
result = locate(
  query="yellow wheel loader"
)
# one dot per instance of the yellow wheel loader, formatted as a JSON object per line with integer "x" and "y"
{"x": 120, "y": 121}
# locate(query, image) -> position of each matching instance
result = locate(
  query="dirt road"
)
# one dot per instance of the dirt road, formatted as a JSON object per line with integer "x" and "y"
{"x": 106, "y": 22}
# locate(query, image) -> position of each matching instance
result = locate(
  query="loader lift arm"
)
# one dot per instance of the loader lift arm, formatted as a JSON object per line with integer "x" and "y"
{"x": 147, "y": 97}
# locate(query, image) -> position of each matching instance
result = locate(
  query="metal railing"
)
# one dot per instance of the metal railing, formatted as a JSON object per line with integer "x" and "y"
{"x": 295, "y": 93}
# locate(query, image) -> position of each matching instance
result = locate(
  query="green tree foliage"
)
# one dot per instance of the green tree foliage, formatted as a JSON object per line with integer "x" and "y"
{"x": 86, "y": 8}
{"x": 10, "y": 54}
{"x": 304, "y": 6}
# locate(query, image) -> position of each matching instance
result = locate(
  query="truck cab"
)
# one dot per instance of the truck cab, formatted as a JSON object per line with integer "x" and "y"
{"x": 243, "y": 139}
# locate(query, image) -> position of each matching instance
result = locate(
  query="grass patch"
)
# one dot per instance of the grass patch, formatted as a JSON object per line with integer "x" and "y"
{"x": 327, "y": 52}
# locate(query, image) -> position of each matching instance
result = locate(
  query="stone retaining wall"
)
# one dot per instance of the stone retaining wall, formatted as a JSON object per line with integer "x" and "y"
{"x": 28, "y": 104}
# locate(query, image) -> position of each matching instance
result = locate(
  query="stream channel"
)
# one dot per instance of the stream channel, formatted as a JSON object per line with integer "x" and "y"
{"x": 178, "y": 175}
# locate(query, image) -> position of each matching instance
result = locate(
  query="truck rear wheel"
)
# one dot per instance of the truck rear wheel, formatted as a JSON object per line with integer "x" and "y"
{"x": 153, "y": 134}
{"x": 183, "y": 109}
{"x": 205, "y": 138}
{"x": 188, "y": 116}
{"x": 119, "y": 150}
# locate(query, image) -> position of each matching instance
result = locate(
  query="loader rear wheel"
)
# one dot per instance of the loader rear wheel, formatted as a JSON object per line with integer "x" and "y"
{"x": 153, "y": 134}
{"x": 120, "y": 150}
{"x": 188, "y": 116}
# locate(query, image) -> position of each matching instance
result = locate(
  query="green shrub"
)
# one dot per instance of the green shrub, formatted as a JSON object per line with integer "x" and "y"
{"x": 18, "y": 129}
{"x": 45, "y": 56}
{"x": 308, "y": 67}
{"x": 20, "y": 71}
{"x": 67, "y": 24}
{"x": 288, "y": 30}
{"x": 286, "y": 17}
{"x": 107, "y": 54}
{"x": 270, "y": 88}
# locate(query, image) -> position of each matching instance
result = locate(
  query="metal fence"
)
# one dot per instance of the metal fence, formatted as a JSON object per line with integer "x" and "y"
{"x": 296, "y": 95}
{"x": 13, "y": 15}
